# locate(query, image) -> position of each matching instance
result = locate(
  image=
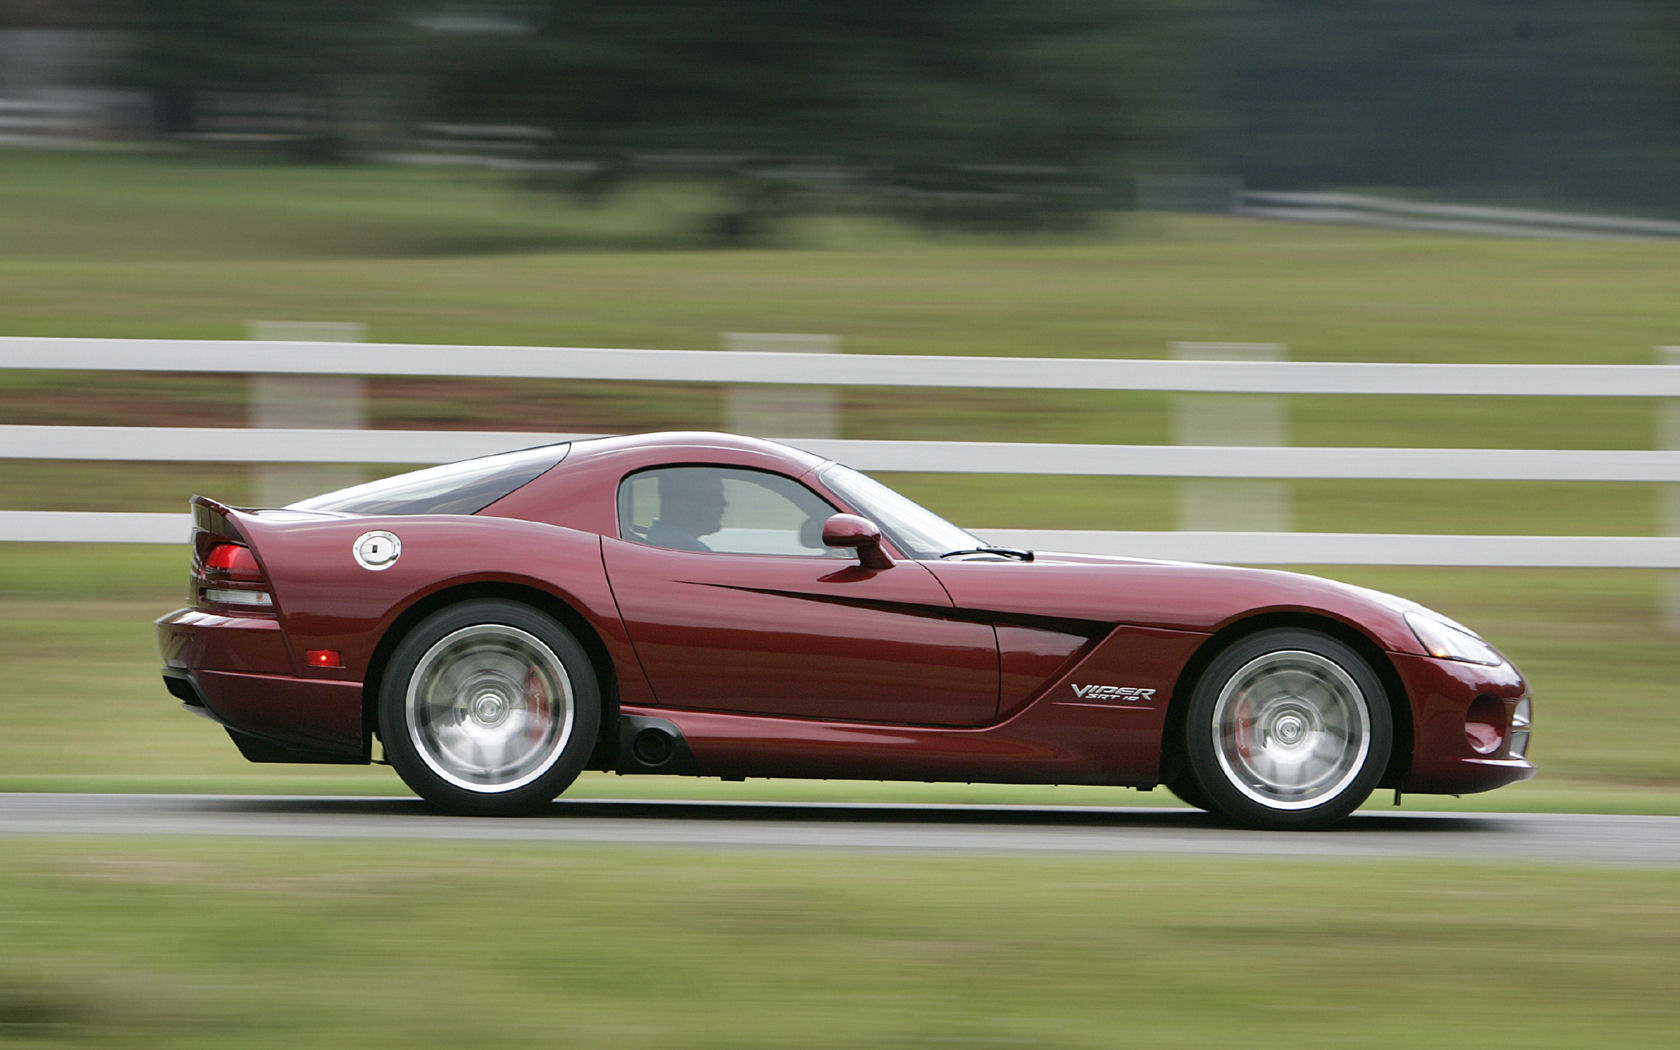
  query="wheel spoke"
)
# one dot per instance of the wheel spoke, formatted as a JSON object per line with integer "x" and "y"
{"x": 1291, "y": 729}
{"x": 489, "y": 708}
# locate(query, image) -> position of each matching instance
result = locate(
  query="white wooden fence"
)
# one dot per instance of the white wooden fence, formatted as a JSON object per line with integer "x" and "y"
{"x": 1389, "y": 213}
{"x": 193, "y": 444}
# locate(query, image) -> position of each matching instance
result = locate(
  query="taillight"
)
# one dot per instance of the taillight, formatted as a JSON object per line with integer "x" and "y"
{"x": 232, "y": 577}
{"x": 233, "y": 562}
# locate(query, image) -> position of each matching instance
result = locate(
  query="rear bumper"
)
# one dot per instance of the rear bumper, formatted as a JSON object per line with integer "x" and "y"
{"x": 236, "y": 671}
{"x": 1444, "y": 759}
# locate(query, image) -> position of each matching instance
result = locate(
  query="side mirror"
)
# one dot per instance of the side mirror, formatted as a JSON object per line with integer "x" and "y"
{"x": 859, "y": 534}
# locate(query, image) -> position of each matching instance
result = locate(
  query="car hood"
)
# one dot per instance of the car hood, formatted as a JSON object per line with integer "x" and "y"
{"x": 1189, "y": 596}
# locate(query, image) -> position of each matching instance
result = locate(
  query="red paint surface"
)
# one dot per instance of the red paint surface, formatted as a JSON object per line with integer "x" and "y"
{"x": 802, "y": 637}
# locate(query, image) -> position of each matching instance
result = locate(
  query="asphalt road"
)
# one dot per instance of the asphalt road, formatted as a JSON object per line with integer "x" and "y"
{"x": 1561, "y": 838}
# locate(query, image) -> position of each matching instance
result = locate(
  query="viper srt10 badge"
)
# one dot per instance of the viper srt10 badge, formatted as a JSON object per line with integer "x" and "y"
{"x": 1113, "y": 694}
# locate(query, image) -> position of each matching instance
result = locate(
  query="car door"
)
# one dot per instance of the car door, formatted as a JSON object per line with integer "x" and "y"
{"x": 733, "y": 604}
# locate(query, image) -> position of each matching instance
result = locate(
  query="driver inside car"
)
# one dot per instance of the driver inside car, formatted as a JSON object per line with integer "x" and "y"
{"x": 691, "y": 505}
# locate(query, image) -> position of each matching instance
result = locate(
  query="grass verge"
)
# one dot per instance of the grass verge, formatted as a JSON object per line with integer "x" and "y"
{"x": 174, "y": 245}
{"x": 207, "y": 944}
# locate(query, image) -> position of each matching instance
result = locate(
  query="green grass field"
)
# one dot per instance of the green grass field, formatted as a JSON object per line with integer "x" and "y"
{"x": 210, "y": 944}
{"x": 197, "y": 943}
{"x": 133, "y": 243}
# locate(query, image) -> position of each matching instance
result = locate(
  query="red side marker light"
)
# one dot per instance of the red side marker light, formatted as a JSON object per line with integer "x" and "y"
{"x": 323, "y": 658}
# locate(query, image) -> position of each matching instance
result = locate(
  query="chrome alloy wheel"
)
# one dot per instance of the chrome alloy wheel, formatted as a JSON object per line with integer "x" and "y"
{"x": 489, "y": 708}
{"x": 1291, "y": 729}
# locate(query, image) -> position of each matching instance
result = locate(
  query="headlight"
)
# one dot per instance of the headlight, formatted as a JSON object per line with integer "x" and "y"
{"x": 1521, "y": 721}
{"x": 1446, "y": 640}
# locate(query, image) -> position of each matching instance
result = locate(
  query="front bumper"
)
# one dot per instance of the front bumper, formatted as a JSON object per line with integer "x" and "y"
{"x": 1446, "y": 760}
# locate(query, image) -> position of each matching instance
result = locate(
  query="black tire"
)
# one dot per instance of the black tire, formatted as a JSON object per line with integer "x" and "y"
{"x": 1288, "y": 729}
{"x": 1184, "y": 788}
{"x": 489, "y": 708}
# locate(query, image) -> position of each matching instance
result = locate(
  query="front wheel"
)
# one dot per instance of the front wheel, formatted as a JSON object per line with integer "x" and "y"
{"x": 489, "y": 708}
{"x": 1288, "y": 729}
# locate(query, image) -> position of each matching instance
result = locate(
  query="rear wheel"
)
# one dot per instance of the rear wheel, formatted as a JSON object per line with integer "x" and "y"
{"x": 1288, "y": 729}
{"x": 489, "y": 708}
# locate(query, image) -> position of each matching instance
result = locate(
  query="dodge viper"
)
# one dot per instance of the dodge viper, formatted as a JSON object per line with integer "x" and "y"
{"x": 711, "y": 605}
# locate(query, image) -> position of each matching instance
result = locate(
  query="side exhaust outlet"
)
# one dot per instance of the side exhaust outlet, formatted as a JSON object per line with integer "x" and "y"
{"x": 653, "y": 745}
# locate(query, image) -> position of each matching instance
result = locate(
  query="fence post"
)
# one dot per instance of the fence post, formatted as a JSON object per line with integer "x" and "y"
{"x": 304, "y": 401}
{"x": 768, "y": 410}
{"x": 1232, "y": 504}
{"x": 1668, "y": 512}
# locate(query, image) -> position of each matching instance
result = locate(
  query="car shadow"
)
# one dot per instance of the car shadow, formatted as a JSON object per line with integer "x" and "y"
{"x": 958, "y": 814}
{"x": 852, "y": 813}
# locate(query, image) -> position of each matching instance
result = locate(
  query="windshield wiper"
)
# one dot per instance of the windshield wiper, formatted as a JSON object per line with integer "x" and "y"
{"x": 1002, "y": 552}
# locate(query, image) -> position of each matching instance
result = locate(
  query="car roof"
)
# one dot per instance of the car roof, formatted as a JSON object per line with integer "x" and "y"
{"x": 580, "y": 491}
{"x": 693, "y": 446}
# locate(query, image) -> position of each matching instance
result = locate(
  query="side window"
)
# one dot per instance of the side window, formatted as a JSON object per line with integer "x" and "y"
{"x": 722, "y": 509}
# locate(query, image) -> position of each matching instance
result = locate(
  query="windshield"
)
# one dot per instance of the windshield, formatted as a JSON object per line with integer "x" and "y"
{"x": 454, "y": 488}
{"x": 912, "y": 528}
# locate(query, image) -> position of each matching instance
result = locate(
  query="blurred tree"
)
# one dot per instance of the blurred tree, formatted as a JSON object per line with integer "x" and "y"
{"x": 1658, "y": 76}
{"x": 187, "y": 51}
{"x": 57, "y": 14}
{"x": 998, "y": 112}
{"x": 983, "y": 110}
{"x": 1544, "y": 99}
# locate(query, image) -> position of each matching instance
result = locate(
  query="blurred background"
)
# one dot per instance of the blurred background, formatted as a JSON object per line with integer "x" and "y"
{"x": 981, "y": 113}
{"x": 1476, "y": 181}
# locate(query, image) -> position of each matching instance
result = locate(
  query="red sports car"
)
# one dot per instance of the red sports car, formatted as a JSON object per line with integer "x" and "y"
{"x": 711, "y": 605}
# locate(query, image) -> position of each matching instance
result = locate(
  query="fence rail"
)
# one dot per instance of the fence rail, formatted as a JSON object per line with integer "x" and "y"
{"x": 206, "y": 444}
{"x": 736, "y": 367}
{"x": 234, "y": 445}
{"x": 1390, "y": 213}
